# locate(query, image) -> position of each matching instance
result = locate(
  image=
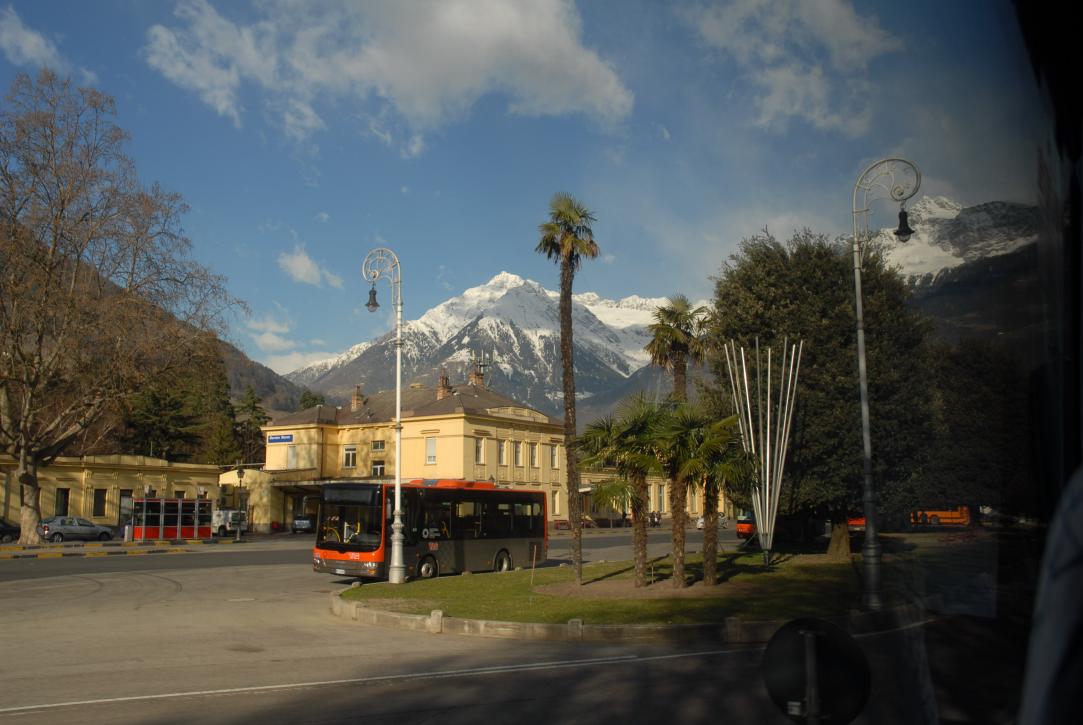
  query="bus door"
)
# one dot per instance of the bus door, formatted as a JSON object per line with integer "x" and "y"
{"x": 434, "y": 532}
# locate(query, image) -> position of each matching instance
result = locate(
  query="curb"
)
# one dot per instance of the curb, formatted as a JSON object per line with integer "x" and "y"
{"x": 106, "y": 548}
{"x": 733, "y": 631}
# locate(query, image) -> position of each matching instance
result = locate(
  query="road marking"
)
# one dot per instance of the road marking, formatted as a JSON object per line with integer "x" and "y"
{"x": 440, "y": 674}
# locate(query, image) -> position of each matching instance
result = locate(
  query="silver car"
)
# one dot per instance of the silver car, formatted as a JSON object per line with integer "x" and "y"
{"x": 70, "y": 528}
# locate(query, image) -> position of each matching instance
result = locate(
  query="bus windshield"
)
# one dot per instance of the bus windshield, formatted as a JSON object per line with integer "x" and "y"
{"x": 351, "y": 517}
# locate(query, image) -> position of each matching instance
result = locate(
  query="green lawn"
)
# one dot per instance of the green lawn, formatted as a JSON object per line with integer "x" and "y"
{"x": 796, "y": 586}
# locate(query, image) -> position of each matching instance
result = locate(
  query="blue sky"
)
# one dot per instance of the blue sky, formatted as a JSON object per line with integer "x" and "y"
{"x": 304, "y": 134}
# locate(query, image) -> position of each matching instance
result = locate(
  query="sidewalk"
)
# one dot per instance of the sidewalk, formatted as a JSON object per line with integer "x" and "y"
{"x": 106, "y": 548}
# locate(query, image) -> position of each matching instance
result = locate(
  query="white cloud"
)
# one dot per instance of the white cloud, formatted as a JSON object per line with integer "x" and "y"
{"x": 322, "y": 217}
{"x": 268, "y": 324}
{"x": 807, "y": 59}
{"x": 609, "y": 258}
{"x": 663, "y": 132}
{"x": 405, "y": 190}
{"x": 414, "y": 147}
{"x": 269, "y": 333}
{"x": 289, "y": 362}
{"x": 423, "y": 64}
{"x": 302, "y": 268}
{"x": 23, "y": 46}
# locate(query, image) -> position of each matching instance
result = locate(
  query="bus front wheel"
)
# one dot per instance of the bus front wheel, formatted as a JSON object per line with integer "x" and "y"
{"x": 426, "y": 568}
{"x": 503, "y": 562}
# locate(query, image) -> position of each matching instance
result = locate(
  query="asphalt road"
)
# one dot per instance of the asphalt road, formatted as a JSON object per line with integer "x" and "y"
{"x": 243, "y": 634}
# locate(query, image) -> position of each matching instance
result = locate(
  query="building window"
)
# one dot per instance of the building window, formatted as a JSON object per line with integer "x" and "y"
{"x": 178, "y": 493}
{"x": 126, "y": 505}
{"x": 553, "y": 457}
{"x": 501, "y": 453}
{"x": 479, "y": 450}
{"x": 99, "y": 501}
{"x": 556, "y": 504}
{"x": 533, "y": 455}
{"x": 377, "y": 469}
{"x": 430, "y": 451}
{"x": 349, "y": 457}
{"x": 377, "y": 445}
{"x": 517, "y": 452}
{"x": 661, "y": 499}
{"x": 62, "y": 501}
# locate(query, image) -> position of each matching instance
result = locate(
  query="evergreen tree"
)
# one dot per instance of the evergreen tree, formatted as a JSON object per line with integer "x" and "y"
{"x": 310, "y": 399}
{"x": 803, "y": 289}
{"x": 250, "y": 417}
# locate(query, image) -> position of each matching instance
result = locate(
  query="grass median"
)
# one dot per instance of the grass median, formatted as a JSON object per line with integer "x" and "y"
{"x": 798, "y": 585}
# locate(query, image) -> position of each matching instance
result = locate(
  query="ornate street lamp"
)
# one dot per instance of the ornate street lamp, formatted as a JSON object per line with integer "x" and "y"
{"x": 898, "y": 180}
{"x": 382, "y": 263}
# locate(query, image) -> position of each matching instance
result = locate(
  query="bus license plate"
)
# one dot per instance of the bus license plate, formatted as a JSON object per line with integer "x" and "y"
{"x": 340, "y": 572}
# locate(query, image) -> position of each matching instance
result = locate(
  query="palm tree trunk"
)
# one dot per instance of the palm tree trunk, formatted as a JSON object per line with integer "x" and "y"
{"x": 680, "y": 378}
{"x": 575, "y": 501}
{"x": 639, "y": 532}
{"x": 678, "y": 495}
{"x": 710, "y": 532}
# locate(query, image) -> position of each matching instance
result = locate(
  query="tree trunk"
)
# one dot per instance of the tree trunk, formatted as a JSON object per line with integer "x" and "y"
{"x": 575, "y": 501}
{"x": 639, "y": 530}
{"x": 839, "y": 546}
{"x": 678, "y": 494}
{"x": 30, "y": 511}
{"x": 710, "y": 533}
{"x": 680, "y": 379}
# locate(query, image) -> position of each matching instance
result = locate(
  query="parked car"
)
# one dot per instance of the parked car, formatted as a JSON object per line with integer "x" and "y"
{"x": 68, "y": 528}
{"x": 746, "y": 527}
{"x": 303, "y": 523}
{"x": 8, "y": 532}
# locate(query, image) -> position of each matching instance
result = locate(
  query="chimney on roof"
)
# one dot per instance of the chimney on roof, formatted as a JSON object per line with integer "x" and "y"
{"x": 443, "y": 387}
{"x": 358, "y": 400}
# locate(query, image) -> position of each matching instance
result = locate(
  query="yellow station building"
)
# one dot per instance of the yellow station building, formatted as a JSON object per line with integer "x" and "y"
{"x": 94, "y": 487}
{"x": 461, "y": 432}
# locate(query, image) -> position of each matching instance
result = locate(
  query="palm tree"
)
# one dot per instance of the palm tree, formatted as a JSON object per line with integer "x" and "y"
{"x": 676, "y": 437}
{"x": 625, "y": 445}
{"x": 677, "y": 340}
{"x": 714, "y": 458}
{"x": 567, "y": 238}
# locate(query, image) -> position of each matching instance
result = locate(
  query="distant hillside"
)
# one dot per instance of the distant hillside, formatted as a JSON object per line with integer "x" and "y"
{"x": 277, "y": 394}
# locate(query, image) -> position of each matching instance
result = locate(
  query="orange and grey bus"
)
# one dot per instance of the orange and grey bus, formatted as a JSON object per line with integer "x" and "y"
{"x": 449, "y": 527}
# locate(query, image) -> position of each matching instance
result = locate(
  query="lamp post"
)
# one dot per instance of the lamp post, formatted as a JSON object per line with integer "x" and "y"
{"x": 898, "y": 180}
{"x": 382, "y": 263}
{"x": 242, "y": 501}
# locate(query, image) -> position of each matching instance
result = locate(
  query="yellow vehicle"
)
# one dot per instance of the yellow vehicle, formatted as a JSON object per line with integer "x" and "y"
{"x": 958, "y": 516}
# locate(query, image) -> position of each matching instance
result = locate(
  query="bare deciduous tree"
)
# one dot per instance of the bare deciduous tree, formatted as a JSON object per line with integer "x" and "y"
{"x": 99, "y": 290}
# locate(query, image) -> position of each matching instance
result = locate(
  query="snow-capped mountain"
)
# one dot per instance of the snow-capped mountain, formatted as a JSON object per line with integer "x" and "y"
{"x": 313, "y": 370}
{"x": 948, "y": 235}
{"x": 516, "y": 322}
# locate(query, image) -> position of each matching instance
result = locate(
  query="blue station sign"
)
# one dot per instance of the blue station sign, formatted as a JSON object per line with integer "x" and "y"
{"x": 282, "y": 438}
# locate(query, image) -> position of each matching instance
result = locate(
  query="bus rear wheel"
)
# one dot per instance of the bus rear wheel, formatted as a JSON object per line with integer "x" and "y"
{"x": 503, "y": 562}
{"x": 934, "y": 520}
{"x": 426, "y": 568}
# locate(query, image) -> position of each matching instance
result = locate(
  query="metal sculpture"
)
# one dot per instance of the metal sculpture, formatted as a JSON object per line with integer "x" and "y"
{"x": 765, "y": 424}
